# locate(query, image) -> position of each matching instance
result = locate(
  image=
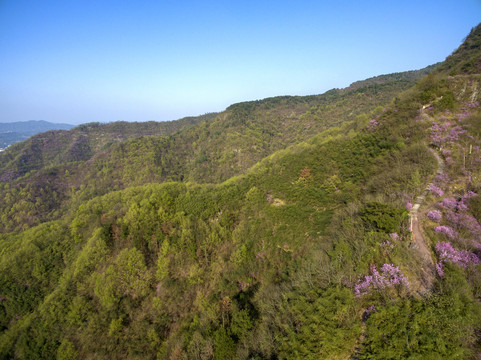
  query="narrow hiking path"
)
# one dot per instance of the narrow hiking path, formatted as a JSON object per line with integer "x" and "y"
{"x": 418, "y": 242}
{"x": 421, "y": 250}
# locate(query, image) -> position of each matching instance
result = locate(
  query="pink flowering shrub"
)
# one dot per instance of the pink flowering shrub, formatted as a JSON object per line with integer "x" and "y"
{"x": 471, "y": 105}
{"x": 447, "y": 252}
{"x": 442, "y": 178}
{"x": 394, "y": 236}
{"x": 468, "y": 195}
{"x": 389, "y": 276}
{"x": 446, "y": 230}
{"x": 436, "y": 190}
{"x": 435, "y": 215}
{"x": 454, "y": 134}
{"x": 464, "y": 221}
{"x": 457, "y": 217}
{"x": 409, "y": 206}
{"x": 437, "y": 133}
{"x": 463, "y": 115}
{"x": 444, "y": 134}
{"x": 373, "y": 124}
{"x": 387, "y": 245}
{"x": 451, "y": 203}
{"x": 439, "y": 268}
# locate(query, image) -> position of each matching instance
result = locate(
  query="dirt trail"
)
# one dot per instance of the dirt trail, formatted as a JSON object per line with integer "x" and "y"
{"x": 419, "y": 244}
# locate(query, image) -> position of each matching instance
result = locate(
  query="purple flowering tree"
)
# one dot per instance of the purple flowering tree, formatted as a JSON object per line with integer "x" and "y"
{"x": 447, "y": 253}
{"x": 435, "y": 215}
{"x": 457, "y": 217}
{"x": 436, "y": 190}
{"x": 388, "y": 277}
{"x": 446, "y": 230}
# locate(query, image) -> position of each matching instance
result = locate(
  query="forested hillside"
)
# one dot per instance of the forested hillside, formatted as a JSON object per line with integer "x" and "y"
{"x": 277, "y": 229}
{"x": 57, "y": 171}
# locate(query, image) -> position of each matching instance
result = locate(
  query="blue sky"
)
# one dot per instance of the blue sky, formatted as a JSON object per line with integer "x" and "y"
{"x": 80, "y": 61}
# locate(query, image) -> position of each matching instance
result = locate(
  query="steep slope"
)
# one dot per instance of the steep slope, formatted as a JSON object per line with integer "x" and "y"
{"x": 306, "y": 254}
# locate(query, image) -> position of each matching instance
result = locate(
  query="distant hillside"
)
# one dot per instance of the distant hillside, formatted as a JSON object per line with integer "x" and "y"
{"x": 11, "y": 133}
{"x": 81, "y": 143}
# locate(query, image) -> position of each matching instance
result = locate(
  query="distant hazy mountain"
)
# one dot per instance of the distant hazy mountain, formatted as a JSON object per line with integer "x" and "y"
{"x": 13, "y": 132}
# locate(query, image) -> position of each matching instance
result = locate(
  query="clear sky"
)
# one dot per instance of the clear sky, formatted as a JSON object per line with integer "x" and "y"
{"x": 79, "y": 61}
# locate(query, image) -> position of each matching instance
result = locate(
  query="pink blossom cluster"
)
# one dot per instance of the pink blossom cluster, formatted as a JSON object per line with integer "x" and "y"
{"x": 457, "y": 217}
{"x": 468, "y": 195}
{"x": 437, "y": 133}
{"x": 373, "y": 124}
{"x": 394, "y": 236}
{"x": 451, "y": 203}
{"x": 442, "y": 133}
{"x": 243, "y": 285}
{"x": 387, "y": 245}
{"x": 471, "y": 105}
{"x": 448, "y": 203}
{"x": 440, "y": 268}
{"x": 464, "y": 221}
{"x": 454, "y": 134}
{"x": 446, "y": 230}
{"x": 436, "y": 190}
{"x": 442, "y": 178}
{"x": 409, "y": 206}
{"x": 463, "y": 115}
{"x": 435, "y": 215}
{"x": 389, "y": 276}
{"x": 390, "y": 244}
{"x": 447, "y": 252}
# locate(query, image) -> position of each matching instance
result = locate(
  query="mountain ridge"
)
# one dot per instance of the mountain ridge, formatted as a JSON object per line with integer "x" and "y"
{"x": 206, "y": 149}
{"x": 304, "y": 252}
